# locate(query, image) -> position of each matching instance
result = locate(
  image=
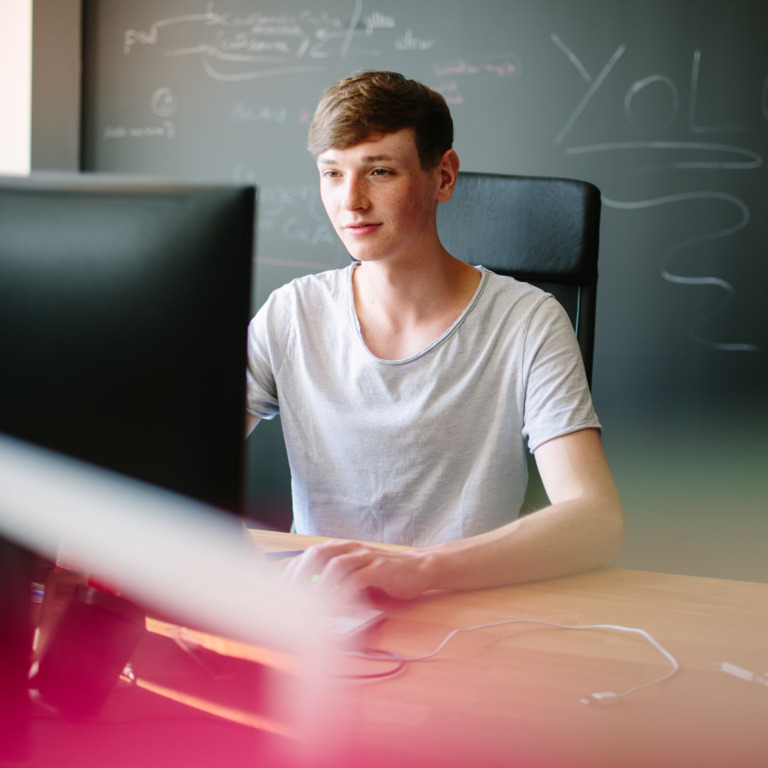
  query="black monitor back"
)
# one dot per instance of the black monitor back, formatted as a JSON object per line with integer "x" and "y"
{"x": 123, "y": 313}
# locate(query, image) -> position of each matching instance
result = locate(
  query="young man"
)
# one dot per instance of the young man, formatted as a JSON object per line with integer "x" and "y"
{"x": 408, "y": 382}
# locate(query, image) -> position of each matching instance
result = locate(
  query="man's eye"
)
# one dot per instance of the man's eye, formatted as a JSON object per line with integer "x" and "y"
{"x": 381, "y": 172}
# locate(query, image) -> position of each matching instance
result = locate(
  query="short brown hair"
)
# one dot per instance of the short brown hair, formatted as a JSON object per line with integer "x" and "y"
{"x": 369, "y": 103}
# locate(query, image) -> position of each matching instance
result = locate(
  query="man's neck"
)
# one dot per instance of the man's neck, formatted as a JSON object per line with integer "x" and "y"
{"x": 403, "y": 310}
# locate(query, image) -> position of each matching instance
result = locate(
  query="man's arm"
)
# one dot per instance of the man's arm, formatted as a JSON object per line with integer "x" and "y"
{"x": 250, "y": 422}
{"x": 582, "y": 529}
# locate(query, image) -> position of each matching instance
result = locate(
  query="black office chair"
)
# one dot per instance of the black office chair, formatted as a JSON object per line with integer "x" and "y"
{"x": 541, "y": 230}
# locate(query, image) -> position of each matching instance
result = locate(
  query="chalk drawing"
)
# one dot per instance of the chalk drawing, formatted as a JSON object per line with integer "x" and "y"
{"x": 698, "y": 280}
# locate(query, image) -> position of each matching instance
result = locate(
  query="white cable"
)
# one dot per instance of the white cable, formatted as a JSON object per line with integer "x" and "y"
{"x": 601, "y": 698}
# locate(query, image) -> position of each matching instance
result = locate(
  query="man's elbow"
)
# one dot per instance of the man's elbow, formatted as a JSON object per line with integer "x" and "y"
{"x": 614, "y": 532}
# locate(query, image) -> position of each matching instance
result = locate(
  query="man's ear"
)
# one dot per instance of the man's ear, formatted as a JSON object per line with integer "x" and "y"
{"x": 449, "y": 169}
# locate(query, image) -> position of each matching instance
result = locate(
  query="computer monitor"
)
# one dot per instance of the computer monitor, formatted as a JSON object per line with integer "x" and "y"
{"x": 190, "y": 704}
{"x": 124, "y": 305}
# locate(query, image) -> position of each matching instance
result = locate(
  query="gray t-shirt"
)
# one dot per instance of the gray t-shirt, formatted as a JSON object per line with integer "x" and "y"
{"x": 421, "y": 450}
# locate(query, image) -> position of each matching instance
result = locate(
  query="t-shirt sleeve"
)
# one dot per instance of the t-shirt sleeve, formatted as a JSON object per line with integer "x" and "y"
{"x": 264, "y": 346}
{"x": 557, "y": 396}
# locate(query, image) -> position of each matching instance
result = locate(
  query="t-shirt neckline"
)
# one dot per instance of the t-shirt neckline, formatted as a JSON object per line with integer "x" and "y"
{"x": 433, "y": 344}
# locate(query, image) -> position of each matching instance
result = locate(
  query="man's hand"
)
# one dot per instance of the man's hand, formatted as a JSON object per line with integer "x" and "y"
{"x": 353, "y": 567}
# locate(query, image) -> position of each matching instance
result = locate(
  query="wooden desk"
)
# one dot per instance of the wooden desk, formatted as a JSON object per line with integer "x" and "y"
{"x": 510, "y": 696}
{"x": 506, "y": 697}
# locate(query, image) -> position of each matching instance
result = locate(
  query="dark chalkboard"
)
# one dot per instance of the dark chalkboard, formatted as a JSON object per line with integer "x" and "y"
{"x": 663, "y": 104}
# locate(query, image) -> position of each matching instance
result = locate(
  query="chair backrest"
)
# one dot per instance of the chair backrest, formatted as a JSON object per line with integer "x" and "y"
{"x": 541, "y": 230}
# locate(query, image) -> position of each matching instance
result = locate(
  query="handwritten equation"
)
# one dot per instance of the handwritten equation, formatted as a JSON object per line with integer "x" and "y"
{"x": 255, "y": 45}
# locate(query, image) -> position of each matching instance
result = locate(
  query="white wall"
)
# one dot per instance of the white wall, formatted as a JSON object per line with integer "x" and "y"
{"x": 15, "y": 86}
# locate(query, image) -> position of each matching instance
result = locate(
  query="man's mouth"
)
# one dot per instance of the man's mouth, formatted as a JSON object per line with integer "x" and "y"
{"x": 361, "y": 228}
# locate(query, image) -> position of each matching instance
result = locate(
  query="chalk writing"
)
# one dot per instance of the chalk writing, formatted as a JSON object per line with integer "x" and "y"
{"x": 694, "y": 126}
{"x": 752, "y": 160}
{"x": 501, "y": 66}
{"x": 450, "y": 91}
{"x": 212, "y": 56}
{"x": 580, "y": 68}
{"x": 163, "y": 102}
{"x": 239, "y": 47}
{"x": 409, "y": 42}
{"x": 378, "y": 20}
{"x": 296, "y": 228}
{"x": 276, "y": 200}
{"x": 135, "y": 36}
{"x": 594, "y": 85}
{"x": 252, "y": 113}
{"x": 165, "y": 130}
{"x": 698, "y": 280}
{"x": 683, "y": 156}
{"x": 641, "y": 87}
{"x": 294, "y": 214}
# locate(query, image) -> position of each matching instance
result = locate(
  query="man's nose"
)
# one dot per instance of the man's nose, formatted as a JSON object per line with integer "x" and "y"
{"x": 355, "y": 193}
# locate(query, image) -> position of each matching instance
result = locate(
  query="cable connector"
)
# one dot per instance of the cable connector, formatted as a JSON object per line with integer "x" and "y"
{"x": 600, "y": 699}
{"x": 744, "y": 674}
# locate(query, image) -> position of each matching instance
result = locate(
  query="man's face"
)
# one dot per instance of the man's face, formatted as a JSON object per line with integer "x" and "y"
{"x": 380, "y": 200}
